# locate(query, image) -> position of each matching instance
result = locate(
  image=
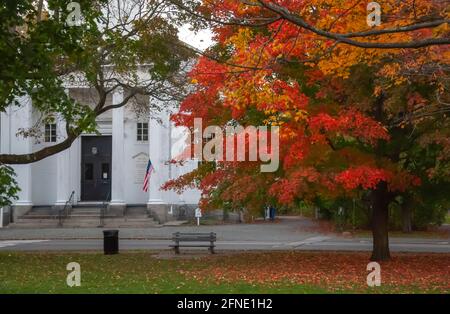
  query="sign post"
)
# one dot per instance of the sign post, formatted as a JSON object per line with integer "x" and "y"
{"x": 1, "y": 217}
{"x": 198, "y": 215}
{"x": 267, "y": 213}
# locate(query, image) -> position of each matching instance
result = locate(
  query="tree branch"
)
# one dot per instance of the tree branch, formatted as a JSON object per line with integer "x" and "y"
{"x": 345, "y": 38}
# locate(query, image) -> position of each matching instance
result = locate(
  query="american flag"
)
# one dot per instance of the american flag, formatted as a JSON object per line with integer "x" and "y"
{"x": 147, "y": 175}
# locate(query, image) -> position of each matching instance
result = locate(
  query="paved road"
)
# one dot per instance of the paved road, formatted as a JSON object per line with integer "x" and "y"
{"x": 288, "y": 234}
{"x": 283, "y": 231}
{"x": 314, "y": 243}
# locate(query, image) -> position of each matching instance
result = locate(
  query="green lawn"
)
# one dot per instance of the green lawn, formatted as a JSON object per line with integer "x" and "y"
{"x": 142, "y": 272}
{"x": 123, "y": 273}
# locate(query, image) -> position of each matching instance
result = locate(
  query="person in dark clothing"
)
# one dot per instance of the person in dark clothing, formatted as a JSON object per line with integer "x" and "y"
{"x": 272, "y": 213}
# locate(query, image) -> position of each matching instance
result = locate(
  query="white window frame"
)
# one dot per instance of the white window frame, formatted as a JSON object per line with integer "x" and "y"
{"x": 141, "y": 135}
{"x": 52, "y": 135}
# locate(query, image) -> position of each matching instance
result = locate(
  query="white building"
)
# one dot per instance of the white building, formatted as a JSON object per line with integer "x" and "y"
{"x": 110, "y": 164}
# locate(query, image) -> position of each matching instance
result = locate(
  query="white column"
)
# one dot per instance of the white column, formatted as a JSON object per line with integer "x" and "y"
{"x": 156, "y": 156}
{"x": 62, "y": 166}
{"x": 117, "y": 177}
{"x": 158, "y": 144}
{"x": 5, "y": 131}
{"x": 22, "y": 118}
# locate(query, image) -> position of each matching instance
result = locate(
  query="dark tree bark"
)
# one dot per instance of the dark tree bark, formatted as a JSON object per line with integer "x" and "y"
{"x": 12, "y": 159}
{"x": 72, "y": 135}
{"x": 380, "y": 218}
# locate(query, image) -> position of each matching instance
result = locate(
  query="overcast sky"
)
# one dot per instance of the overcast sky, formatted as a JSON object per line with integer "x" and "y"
{"x": 201, "y": 40}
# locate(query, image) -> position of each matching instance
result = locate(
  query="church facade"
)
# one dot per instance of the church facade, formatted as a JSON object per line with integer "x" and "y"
{"x": 108, "y": 165}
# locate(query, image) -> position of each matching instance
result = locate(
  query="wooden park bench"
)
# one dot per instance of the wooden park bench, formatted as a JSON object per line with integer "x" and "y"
{"x": 191, "y": 238}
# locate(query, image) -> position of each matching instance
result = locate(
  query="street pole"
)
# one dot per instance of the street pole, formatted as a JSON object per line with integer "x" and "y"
{"x": 198, "y": 215}
{"x": 1, "y": 217}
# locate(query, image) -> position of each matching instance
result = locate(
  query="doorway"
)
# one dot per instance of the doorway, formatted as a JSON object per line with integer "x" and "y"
{"x": 96, "y": 168}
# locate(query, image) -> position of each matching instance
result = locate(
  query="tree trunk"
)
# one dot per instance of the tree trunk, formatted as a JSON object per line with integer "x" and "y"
{"x": 380, "y": 217}
{"x": 39, "y": 10}
{"x": 406, "y": 218}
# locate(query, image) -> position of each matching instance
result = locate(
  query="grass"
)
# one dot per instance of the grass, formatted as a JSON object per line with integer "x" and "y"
{"x": 124, "y": 273}
{"x": 269, "y": 272}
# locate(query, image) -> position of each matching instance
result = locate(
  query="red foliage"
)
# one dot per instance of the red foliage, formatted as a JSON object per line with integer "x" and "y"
{"x": 329, "y": 136}
{"x": 328, "y": 270}
{"x": 352, "y": 123}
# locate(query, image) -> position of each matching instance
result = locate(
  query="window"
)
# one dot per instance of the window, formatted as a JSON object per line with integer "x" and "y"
{"x": 142, "y": 132}
{"x": 50, "y": 133}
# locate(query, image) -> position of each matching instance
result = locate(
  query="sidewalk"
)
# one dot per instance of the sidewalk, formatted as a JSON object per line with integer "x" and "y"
{"x": 287, "y": 230}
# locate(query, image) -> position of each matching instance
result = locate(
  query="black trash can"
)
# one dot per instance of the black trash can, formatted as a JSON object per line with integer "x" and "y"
{"x": 111, "y": 242}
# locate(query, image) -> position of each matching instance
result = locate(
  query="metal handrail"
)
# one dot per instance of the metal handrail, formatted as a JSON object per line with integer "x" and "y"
{"x": 66, "y": 211}
{"x": 104, "y": 209}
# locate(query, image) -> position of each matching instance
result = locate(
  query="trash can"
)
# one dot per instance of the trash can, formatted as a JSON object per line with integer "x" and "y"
{"x": 111, "y": 242}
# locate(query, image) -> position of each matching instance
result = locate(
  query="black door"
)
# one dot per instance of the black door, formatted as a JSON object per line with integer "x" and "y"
{"x": 95, "y": 167}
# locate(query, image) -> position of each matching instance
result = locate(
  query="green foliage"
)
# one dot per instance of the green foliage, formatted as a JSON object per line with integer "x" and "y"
{"x": 113, "y": 47}
{"x": 346, "y": 213}
{"x": 35, "y": 54}
{"x": 423, "y": 215}
{"x": 8, "y": 186}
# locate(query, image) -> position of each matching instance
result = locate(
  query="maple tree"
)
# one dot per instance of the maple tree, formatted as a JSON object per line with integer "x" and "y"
{"x": 353, "y": 117}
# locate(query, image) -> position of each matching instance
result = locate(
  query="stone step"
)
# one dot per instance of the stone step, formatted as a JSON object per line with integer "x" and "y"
{"x": 110, "y": 224}
{"x": 34, "y": 223}
{"x": 91, "y": 217}
{"x": 82, "y": 225}
{"x": 98, "y": 210}
{"x": 89, "y": 204}
{"x": 23, "y": 226}
{"x": 85, "y": 216}
{"x": 42, "y": 212}
{"x": 136, "y": 211}
{"x": 35, "y": 217}
{"x": 136, "y": 218}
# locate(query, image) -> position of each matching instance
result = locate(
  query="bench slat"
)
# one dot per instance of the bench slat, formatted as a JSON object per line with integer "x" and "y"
{"x": 194, "y": 239}
{"x": 188, "y": 245}
{"x": 179, "y": 237}
{"x": 195, "y": 233}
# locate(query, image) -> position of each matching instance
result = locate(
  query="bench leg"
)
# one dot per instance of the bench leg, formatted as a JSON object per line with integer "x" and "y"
{"x": 177, "y": 249}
